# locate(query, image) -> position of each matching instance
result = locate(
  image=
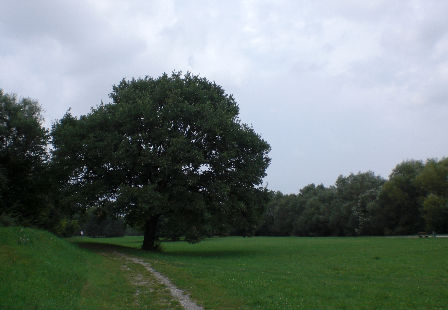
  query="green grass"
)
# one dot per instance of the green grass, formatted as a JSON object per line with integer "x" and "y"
{"x": 305, "y": 273}
{"x": 41, "y": 271}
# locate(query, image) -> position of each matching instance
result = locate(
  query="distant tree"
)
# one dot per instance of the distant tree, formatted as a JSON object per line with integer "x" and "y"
{"x": 364, "y": 212}
{"x": 288, "y": 210}
{"x": 354, "y": 193}
{"x": 279, "y": 216}
{"x": 433, "y": 180}
{"x": 399, "y": 202}
{"x": 23, "y": 161}
{"x": 316, "y": 204}
{"x": 435, "y": 213}
{"x": 169, "y": 150}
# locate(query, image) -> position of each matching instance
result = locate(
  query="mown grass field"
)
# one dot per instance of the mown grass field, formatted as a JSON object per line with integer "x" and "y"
{"x": 305, "y": 273}
{"x": 40, "y": 271}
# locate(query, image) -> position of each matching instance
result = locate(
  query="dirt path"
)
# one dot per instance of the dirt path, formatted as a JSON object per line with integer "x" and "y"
{"x": 178, "y": 294}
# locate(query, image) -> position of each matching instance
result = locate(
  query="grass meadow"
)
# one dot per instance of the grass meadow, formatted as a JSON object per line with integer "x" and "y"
{"x": 304, "y": 273}
{"x": 41, "y": 271}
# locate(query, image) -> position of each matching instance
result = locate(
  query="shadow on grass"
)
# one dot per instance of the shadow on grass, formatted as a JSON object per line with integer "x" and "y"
{"x": 105, "y": 247}
{"x": 211, "y": 253}
{"x": 109, "y": 247}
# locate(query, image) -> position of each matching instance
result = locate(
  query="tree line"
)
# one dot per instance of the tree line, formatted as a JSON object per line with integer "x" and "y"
{"x": 414, "y": 199}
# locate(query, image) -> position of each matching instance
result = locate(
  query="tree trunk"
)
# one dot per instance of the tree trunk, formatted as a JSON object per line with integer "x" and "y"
{"x": 150, "y": 238}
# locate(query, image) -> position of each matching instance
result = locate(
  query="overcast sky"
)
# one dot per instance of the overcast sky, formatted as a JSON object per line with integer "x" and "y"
{"x": 334, "y": 86}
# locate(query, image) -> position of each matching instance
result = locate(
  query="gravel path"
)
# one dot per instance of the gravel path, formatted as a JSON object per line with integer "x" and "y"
{"x": 180, "y": 295}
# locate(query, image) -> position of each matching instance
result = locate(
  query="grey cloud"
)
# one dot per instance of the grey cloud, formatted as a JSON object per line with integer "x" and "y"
{"x": 68, "y": 21}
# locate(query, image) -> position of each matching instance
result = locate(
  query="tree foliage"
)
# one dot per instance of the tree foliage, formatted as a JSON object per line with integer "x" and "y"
{"x": 400, "y": 208}
{"x": 344, "y": 209}
{"x": 433, "y": 179}
{"x": 354, "y": 197}
{"x": 23, "y": 161}
{"x": 413, "y": 199}
{"x": 98, "y": 224}
{"x": 168, "y": 150}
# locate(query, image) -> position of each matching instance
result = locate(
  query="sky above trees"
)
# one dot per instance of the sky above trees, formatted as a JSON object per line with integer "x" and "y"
{"x": 334, "y": 86}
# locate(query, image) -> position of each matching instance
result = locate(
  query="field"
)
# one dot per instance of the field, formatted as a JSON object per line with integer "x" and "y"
{"x": 41, "y": 271}
{"x": 304, "y": 273}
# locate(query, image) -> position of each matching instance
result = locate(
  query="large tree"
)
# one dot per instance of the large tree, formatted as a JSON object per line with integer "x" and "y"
{"x": 23, "y": 160}
{"x": 170, "y": 150}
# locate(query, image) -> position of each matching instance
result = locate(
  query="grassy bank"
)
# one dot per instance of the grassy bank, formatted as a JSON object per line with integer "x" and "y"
{"x": 41, "y": 271}
{"x": 306, "y": 273}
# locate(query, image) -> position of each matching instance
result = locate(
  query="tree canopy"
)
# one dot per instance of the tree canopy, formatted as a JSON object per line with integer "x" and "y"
{"x": 168, "y": 150}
